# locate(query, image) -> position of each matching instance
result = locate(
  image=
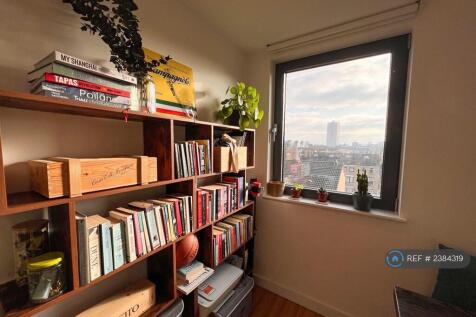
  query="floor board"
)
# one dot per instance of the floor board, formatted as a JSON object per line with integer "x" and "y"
{"x": 268, "y": 304}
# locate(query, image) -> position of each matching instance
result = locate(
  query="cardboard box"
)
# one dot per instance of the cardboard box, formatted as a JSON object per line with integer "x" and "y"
{"x": 222, "y": 160}
{"x": 131, "y": 302}
{"x": 62, "y": 176}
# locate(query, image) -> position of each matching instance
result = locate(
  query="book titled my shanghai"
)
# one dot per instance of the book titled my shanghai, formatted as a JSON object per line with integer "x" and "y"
{"x": 79, "y": 94}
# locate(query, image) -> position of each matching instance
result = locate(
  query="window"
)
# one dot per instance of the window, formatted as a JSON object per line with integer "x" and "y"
{"x": 340, "y": 112}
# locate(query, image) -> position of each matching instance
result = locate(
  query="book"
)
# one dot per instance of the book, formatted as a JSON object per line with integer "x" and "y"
{"x": 104, "y": 226}
{"x": 140, "y": 248}
{"x": 175, "y": 210}
{"x": 78, "y": 83}
{"x": 118, "y": 239}
{"x": 151, "y": 224}
{"x": 240, "y": 185}
{"x": 144, "y": 232}
{"x": 129, "y": 232}
{"x": 83, "y": 247}
{"x": 191, "y": 269}
{"x": 188, "y": 288}
{"x": 79, "y": 94}
{"x": 159, "y": 223}
{"x": 64, "y": 70}
{"x": 75, "y": 62}
{"x": 94, "y": 248}
{"x": 206, "y": 154}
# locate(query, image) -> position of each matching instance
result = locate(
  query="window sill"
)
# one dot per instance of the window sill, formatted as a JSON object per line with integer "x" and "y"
{"x": 374, "y": 213}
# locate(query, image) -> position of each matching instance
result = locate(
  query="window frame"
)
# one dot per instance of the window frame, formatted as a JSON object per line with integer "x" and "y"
{"x": 399, "y": 46}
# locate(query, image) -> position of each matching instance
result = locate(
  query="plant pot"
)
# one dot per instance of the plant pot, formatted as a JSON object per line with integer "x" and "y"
{"x": 275, "y": 188}
{"x": 322, "y": 197}
{"x": 362, "y": 203}
{"x": 234, "y": 119}
{"x": 296, "y": 193}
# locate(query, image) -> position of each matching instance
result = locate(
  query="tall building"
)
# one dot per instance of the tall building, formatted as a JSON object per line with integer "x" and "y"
{"x": 333, "y": 133}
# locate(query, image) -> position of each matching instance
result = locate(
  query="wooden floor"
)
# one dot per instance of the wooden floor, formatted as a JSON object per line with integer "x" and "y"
{"x": 267, "y": 304}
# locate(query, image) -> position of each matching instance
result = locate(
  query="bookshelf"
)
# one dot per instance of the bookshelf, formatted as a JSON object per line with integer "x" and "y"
{"x": 159, "y": 134}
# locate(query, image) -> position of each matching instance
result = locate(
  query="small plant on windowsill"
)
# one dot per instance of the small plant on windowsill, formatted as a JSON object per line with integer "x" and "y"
{"x": 322, "y": 195}
{"x": 362, "y": 199}
{"x": 296, "y": 191}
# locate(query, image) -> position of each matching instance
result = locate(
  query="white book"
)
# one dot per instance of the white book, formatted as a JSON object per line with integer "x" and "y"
{"x": 131, "y": 252}
{"x": 94, "y": 251}
{"x": 144, "y": 232}
{"x": 78, "y": 63}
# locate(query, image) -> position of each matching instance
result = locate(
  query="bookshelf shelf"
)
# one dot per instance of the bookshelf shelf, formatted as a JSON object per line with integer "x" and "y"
{"x": 159, "y": 134}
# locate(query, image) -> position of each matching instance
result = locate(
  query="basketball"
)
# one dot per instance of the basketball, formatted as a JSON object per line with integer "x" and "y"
{"x": 187, "y": 250}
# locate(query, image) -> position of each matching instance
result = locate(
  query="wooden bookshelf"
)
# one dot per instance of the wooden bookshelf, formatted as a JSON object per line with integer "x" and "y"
{"x": 159, "y": 134}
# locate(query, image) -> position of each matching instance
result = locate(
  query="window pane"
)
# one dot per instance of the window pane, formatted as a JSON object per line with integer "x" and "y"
{"x": 335, "y": 119}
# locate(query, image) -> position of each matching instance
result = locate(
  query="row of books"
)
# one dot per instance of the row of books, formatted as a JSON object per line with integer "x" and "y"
{"x": 217, "y": 200}
{"x": 230, "y": 234}
{"x": 192, "y": 158}
{"x": 107, "y": 243}
{"x": 68, "y": 77}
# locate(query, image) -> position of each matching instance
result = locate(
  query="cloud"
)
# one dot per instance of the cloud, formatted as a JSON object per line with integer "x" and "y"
{"x": 354, "y": 93}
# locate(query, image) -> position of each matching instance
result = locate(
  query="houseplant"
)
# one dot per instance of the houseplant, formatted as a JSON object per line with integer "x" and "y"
{"x": 242, "y": 108}
{"x": 116, "y": 24}
{"x": 361, "y": 198}
{"x": 296, "y": 191}
{"x": 322, "y": 195}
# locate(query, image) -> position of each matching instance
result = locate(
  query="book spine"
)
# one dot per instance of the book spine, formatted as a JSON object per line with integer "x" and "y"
{"x": 172, "y": 221}
{"x": 78, "y": 83}
{"x": 165, "y": 223}
{"x": 137, "y": 235}
{"x": 199, "y": 209}
{"x": 152, "y": 226}
{"x": 106, "y": 248}
{"x": 178, "y": 218}
{"x": 94, "y": 253}
{"x": 160, "y": 225}
{"x": 118, "y": 247}
{"x": 83, "y": 251}
{"x": 144, "y": 233}
{"x": 75, "y": 62}
{"x": 78, "y": 94}
{"x": 184, "y": 159}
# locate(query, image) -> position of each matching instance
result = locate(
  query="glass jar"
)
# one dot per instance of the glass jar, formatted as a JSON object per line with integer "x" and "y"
{"x": 46, "y": 279}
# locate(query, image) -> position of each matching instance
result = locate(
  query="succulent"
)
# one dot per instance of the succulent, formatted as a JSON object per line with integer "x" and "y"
{"x": 244, "y": 101}
{"x": 298, "y": 186}
{"x": 362, "y": 183}
{"x": 321, "y": 190}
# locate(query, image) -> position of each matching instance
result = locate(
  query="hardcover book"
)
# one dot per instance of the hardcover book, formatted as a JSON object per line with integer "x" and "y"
{"x": 129, "y": 232}
{"x": 94, "y": 248}
{"x": 83, "y": 248}
{"x": 105, "y": 242}
{"x": 118, "y": 242}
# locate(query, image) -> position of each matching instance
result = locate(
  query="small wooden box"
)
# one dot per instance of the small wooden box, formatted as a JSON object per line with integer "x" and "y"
{"x": 222, "y": 159}
{"x": 131, "y": 302}
{"x": 60, "y": 176}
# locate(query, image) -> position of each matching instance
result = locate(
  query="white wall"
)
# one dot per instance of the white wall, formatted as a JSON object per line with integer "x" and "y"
{"x": 29, "y": 30}
{"x": 334, "y": 262}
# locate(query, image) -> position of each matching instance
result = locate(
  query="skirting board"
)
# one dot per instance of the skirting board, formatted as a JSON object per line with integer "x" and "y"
{"x": 299, "y": 298}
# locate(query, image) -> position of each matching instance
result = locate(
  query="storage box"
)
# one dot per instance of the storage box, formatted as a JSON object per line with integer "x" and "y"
{"x": 217, "y": 288}
{"x": 175, "y": 310}
{"x": 240, "y": 304}
{"x": 222, "y": 158}
{"x": 62, "y": 176}
{"x": 131, "y": 302}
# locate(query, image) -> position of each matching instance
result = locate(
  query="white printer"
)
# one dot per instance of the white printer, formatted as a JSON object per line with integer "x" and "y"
{"x": 217, "y": 288}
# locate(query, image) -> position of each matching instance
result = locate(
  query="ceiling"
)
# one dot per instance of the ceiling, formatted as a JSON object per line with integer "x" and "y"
{"x": 251, "y": 24}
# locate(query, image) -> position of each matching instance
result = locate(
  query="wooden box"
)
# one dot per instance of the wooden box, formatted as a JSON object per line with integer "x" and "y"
{"x": 131, "y": 302}
{"x": 61, "y": 176}
{"x": 222, "y": 159}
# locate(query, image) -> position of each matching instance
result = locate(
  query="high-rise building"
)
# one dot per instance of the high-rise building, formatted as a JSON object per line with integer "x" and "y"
{"x": 333, "y": 134}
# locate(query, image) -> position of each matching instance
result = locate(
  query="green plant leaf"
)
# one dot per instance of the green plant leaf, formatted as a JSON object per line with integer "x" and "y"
{"x": 260, "y": 115}
{"x": 227, "y": 112}
{"x": 244, "y": 122}
{"x": 234, "y": 90}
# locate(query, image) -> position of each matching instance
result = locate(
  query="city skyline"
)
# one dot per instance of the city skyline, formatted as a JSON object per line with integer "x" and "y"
{"x": 354, "y": 93}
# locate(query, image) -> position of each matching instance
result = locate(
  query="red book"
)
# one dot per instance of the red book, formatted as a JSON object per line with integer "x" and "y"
{"x": 72, "y": 82}
{"x": 199, "y": 209}
{"x": 178, "y": 218}
{"x": 207, "y": 204}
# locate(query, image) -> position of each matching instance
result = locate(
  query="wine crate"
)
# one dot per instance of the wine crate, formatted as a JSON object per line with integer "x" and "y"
{"x": 61, "y": 176}
{"x": 222, "y": 158}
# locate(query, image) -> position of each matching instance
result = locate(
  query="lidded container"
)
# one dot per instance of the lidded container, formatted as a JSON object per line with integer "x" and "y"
{"x": 46, "y": 278}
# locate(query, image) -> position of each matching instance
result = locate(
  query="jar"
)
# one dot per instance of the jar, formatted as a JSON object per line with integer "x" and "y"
{"x": 46, "y": 279}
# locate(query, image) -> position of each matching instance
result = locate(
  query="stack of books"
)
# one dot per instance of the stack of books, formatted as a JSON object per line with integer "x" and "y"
{"x": 217, "y": 200}
{"x": 68, "y": 77}
{"x": 230, "y": 234}
{"x": 192, "y": 158}
{"x": 107, "y": 243}
{"x": 191, "y": 276}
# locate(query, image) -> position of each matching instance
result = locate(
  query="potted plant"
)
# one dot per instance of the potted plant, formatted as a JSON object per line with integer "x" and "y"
{"x": 242, "y": 108}
{"x": 362, "y": 199}
{"x": 296, "y": 191}
{"x": 322, "y": 195}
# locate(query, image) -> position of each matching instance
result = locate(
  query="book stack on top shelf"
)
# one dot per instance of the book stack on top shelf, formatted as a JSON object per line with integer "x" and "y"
{"x": 192, "y": 158}
{"x": 63, "y": 76}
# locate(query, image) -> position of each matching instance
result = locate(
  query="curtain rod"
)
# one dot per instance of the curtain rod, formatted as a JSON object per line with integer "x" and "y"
{"x": 376, "y": 19}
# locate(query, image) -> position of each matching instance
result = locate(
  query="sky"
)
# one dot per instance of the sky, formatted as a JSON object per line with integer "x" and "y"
{"x": 353, "y": 93}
